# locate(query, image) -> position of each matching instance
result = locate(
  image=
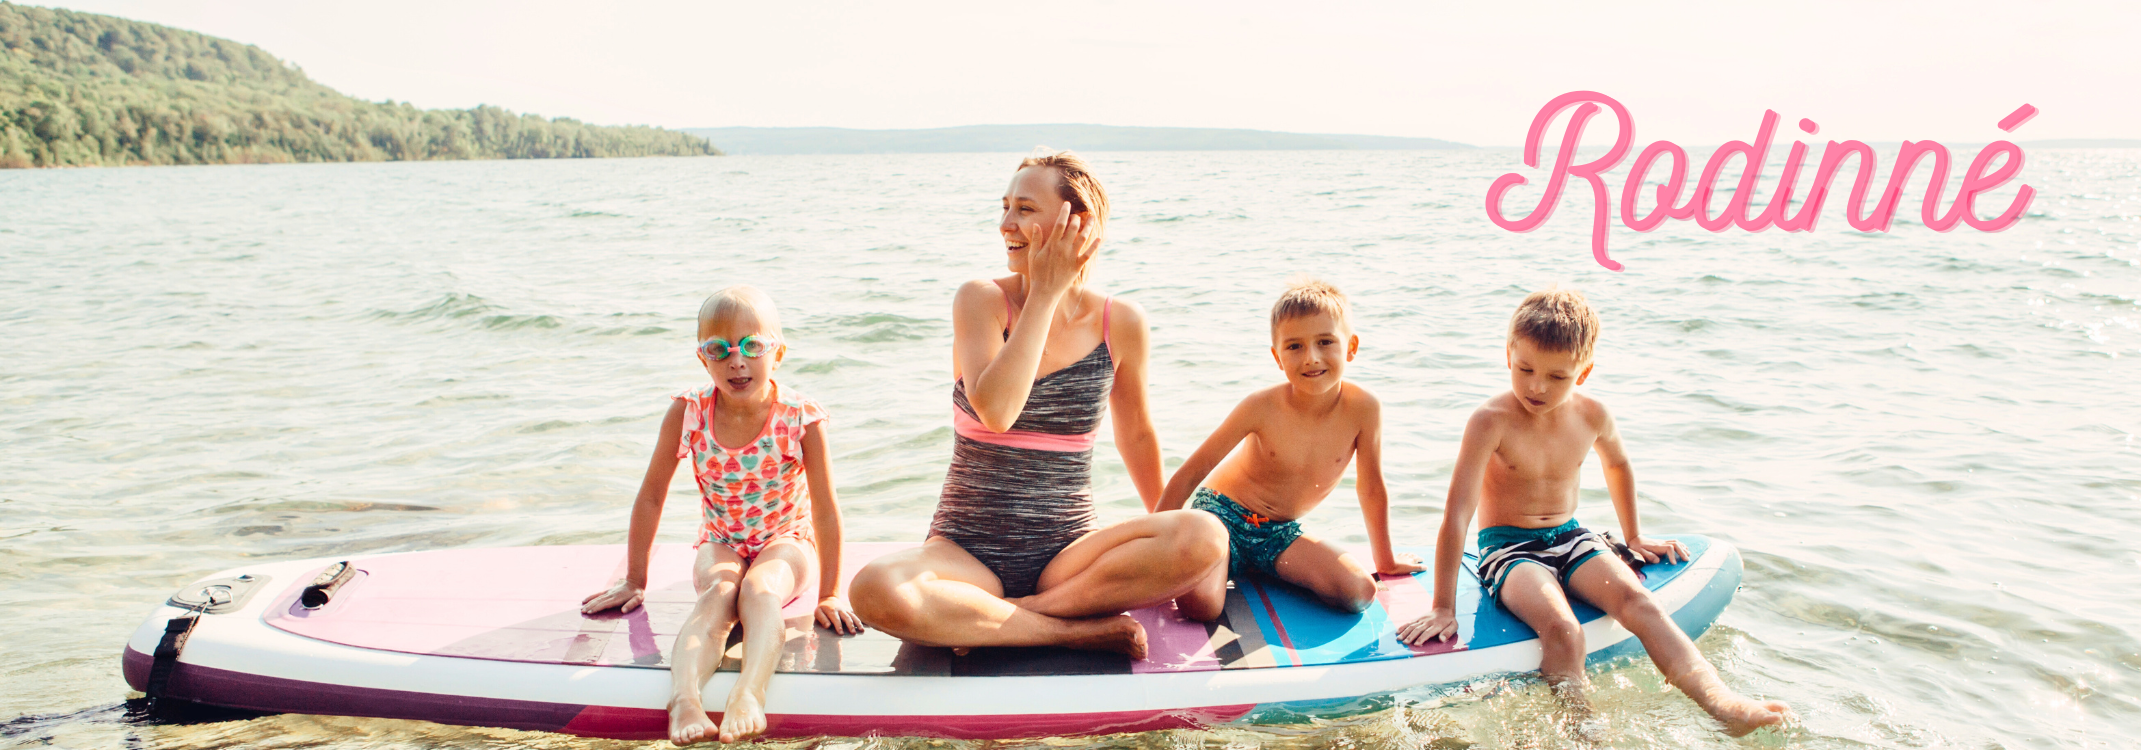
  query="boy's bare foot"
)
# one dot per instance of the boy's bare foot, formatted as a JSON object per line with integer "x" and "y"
{"x": 1742, "y": 715}
{"x": 1120, "y": 633}
{"x": 745, "y": 717}
{"x": 688, "y": 722}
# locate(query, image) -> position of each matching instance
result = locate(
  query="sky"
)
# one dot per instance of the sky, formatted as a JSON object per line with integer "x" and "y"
{"x": 1472, "y": 72}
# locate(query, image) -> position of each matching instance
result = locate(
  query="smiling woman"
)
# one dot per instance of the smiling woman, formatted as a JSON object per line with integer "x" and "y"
{"x": 1014, "y": 557}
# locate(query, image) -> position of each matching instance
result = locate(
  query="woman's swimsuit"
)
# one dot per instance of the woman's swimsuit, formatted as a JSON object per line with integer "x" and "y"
{"x": 1015, "y": 499}
{"x": 758, "y": 493}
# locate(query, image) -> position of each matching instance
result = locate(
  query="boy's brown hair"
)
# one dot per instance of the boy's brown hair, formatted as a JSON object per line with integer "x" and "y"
{"x": 1309, "y": 296}
{"x": 1557, "y": 320}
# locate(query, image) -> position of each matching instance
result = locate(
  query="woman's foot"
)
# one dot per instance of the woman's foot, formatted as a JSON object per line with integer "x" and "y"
{"x": 1119, "y": 633}
{"x": 688, "y": 722}
{"x": 744, "y": 718}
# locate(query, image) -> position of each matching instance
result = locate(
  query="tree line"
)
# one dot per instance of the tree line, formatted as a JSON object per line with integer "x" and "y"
{"x": 80, "y": 89}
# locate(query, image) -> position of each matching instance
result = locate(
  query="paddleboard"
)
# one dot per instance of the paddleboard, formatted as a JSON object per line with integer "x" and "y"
{"x": 494, "y": 637}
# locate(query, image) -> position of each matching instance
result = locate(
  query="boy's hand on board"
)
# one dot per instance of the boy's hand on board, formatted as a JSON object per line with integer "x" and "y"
{"x": 1438, "y": 624}
{"x": 1670, "y": 550}
{"x": 1403, "y": 563}
{"x": 834, "y": 614}
{"x": 622, "y": 596}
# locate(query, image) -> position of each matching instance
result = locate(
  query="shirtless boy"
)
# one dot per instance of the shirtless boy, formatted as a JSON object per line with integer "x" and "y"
{"x": 1518, "y": 468}
{"x": 1296, "y": 441}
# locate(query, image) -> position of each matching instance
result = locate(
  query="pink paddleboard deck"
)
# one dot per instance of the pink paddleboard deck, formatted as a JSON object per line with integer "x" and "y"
{"x": 523, "y": 604}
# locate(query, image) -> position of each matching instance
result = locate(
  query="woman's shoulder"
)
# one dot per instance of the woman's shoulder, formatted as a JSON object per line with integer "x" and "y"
{"x": 982, "y": 291}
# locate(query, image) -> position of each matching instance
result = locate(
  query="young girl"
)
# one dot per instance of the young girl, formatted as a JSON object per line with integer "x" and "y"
{"x": 769, "y": 515}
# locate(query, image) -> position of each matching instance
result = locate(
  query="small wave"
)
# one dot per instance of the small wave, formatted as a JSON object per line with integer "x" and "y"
{"x": 879, "y": 327}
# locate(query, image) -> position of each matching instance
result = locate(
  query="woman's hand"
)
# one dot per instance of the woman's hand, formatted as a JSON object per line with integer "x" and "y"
{"x": 834, "y": 614}
{"x": 1440, "y": 623}
{"x": 622, "y": 595}
{"x": 1054, "y": 258}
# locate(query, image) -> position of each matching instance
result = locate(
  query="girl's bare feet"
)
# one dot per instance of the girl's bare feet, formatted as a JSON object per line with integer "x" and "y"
{"x": 688, "y": 722}
{"x": 744, "y": 718}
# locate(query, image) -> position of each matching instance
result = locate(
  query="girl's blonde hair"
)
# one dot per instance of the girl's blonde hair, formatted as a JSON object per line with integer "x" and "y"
{"x": 734, "y": 300}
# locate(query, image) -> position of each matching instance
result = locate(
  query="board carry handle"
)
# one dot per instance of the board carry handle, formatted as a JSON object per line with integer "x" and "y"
{"x": 322, "y": 589}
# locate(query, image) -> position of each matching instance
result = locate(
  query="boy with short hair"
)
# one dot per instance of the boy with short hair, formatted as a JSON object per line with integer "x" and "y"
{"x": 1297, "y": 439}
{"x": 1518, "y": 467}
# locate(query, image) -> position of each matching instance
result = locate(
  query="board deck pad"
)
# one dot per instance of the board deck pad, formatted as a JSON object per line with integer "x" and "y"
{"x": 523, "y": 604}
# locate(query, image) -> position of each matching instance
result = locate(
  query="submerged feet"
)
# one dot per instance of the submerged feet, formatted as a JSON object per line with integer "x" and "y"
{"x": 1742, "y": 715}
{"x": 688, "y": 722}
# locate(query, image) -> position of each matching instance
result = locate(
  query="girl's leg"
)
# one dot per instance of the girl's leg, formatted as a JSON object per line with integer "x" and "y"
{"x": 1323, "y": 568}
{"x": 769, "y": 582}
{"x": 1608, "y": 583}
{"x": 939, "y": 595}
{"x": 699, "y": 642}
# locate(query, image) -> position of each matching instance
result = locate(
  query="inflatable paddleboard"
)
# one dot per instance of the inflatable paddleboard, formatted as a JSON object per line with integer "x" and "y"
{"x": 494, "y": 637}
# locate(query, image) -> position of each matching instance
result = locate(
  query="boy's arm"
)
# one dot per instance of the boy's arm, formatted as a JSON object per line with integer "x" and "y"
{"x": 1135, "y": 439}
{"x": 1239, "y": 423}
{"x": 1620, "y": 485}
{"x": 1374, "y": 496}
{"x": 626, "y": 594}
{"x": 825, "y": 527}
{"x": 1482, "y": 436}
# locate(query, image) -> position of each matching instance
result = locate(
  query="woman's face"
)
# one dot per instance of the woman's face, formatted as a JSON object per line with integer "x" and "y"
{"x": 1032, "y": 205}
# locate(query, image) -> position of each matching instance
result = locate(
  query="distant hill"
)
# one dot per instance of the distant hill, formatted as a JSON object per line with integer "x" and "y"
{"x": 79, "y": 89}
{"x": 1022, "y": 138}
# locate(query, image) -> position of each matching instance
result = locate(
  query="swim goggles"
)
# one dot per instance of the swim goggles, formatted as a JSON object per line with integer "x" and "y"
{"x": 718, "y": 348}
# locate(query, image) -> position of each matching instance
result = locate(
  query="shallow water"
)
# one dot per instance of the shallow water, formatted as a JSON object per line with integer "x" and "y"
{"x": 1923, "y": 442}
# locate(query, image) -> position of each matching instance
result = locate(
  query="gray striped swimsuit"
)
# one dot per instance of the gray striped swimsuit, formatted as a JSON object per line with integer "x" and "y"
{"x": 1015, "y": 499}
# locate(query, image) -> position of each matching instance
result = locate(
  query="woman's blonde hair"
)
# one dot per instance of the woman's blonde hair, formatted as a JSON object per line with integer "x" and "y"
{"x": 1079, "y": 185}
{"x": 1080, "y": 188}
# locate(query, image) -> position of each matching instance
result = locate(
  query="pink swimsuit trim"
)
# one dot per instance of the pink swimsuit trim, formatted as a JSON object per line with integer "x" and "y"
{"x": 972, "y": 429}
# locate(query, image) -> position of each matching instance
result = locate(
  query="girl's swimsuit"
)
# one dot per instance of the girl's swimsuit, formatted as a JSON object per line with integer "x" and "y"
{"x": 1015, "y": 499}
{"x": 758, "y": 493}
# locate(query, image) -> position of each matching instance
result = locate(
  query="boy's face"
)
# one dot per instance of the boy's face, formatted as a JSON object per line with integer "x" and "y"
{"x": 737, "y": 375}
{"x": 1313, "y": 351}
{"x": 1542, "y": 379}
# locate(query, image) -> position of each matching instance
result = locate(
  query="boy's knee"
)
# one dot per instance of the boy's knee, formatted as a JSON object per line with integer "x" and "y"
{"x": 1357, "y": 593}
{"x": 1562, "y": 633}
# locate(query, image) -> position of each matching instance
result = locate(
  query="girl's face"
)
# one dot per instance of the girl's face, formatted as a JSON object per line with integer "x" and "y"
{"x": 1032, "y": 205}
{"x": 738, "y": 374}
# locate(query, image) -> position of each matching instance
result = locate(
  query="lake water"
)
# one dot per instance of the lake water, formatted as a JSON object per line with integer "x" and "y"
{"x": 1923, "y": 442}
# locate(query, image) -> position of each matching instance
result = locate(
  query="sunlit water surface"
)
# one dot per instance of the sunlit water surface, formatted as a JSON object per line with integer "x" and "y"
{"x": 1924, "y": 442}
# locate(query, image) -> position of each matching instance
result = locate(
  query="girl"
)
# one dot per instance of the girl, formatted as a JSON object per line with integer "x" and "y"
{"x": 769, "y": 515}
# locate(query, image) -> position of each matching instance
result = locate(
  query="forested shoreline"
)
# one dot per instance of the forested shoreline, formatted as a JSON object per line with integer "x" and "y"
{"x": 80, "y": 89}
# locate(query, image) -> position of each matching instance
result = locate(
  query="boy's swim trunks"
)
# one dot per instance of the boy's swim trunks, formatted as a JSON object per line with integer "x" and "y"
{"x": 1562, "y": 549}
{"x": 1254, "y": 542}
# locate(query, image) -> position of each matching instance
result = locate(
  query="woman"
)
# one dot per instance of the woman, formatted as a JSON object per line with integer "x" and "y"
{"x": 1014, "y": 556}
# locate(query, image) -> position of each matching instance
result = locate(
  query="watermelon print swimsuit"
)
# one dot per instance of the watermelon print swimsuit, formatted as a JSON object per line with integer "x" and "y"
{"x": 758, "y": 493}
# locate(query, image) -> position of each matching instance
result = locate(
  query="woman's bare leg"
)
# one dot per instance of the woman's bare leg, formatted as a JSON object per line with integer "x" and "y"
{"x": 1179, "y": 555}
{"x": 769, "y": 582}
{"x": 716, "y": 575}
{"x": 939, "y": 595}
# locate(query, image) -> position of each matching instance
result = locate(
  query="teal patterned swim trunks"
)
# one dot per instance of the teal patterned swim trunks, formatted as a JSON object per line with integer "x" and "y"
{"x": 1254, "y": 542}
